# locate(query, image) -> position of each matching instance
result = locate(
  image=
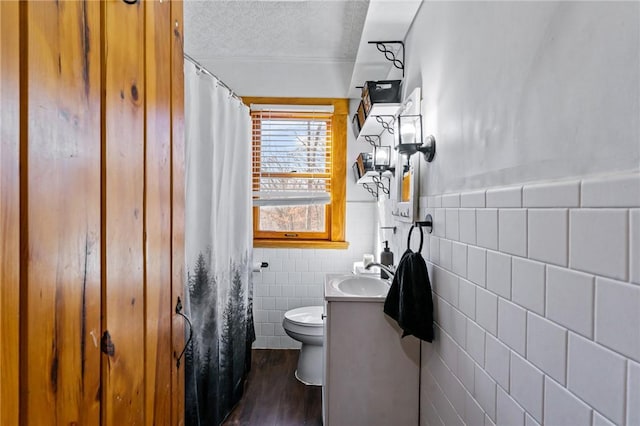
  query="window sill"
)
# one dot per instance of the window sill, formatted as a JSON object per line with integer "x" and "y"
{"x": 308, "y": 244}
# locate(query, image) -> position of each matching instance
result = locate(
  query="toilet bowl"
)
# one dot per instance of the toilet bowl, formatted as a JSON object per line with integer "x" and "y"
{"x": 306, "y": 326}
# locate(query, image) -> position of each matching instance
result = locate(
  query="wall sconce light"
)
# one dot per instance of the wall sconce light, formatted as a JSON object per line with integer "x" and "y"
{"x": 382, "y": 158}
{"x": 408, "y": 137}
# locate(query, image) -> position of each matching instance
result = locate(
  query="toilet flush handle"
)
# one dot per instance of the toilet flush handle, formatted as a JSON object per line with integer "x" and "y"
{"x": 323, "y": 316}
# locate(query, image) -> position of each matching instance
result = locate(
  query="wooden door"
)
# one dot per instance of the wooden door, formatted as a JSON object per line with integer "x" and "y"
{"x": 9, "y": 211}
{"x": 157, "y": 249}
{"x": 91, "y": 213}
{"x": 178, "y": 272}
{"x": 123, "y": 204}
{"x": 61, "y": 152}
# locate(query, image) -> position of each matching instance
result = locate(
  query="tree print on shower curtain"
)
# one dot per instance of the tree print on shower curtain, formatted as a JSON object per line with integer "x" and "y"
{"x": 218, "y": 356}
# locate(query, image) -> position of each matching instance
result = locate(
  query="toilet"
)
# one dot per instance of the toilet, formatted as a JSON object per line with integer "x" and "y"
{"x": 306, "y": 326}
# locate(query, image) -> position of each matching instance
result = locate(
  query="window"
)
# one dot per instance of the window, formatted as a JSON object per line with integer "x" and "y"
{"x": 299, "y": 171}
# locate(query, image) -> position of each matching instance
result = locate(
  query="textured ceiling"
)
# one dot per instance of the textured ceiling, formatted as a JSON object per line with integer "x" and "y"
{"x": 295, "y": 48}
{"x": 305, "y": 31}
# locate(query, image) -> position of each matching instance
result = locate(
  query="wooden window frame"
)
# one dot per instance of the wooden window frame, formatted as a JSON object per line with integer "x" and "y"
{"x": 334, "y": 237}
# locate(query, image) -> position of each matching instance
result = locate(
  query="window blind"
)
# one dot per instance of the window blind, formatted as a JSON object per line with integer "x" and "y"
{"x": 292, "y": 149}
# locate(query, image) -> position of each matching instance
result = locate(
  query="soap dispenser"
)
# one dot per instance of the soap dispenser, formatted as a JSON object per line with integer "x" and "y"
{"x": 386, "y": 258}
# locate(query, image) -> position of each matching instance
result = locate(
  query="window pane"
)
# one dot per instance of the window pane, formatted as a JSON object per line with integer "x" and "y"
{"x": 293, "y": 146}
{"x": 293, "y": 218}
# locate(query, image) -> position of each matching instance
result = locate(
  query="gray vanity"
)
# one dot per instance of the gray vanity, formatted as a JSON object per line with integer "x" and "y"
{"x": 371, "y": 374}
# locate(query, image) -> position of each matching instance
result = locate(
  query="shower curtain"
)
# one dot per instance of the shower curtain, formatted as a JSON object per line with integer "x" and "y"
{"x": 218, "y": 241}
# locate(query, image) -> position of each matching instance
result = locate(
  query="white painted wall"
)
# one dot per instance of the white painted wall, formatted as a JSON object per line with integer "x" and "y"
{"x": 525, "y": 91}
{"x": 535, "y": 191}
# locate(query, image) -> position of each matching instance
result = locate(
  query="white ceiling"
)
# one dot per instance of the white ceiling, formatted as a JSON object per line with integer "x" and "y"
{"x": 297, "y": 48}
{"x": 267, "y": 30}
{"x": 231, "y": 38}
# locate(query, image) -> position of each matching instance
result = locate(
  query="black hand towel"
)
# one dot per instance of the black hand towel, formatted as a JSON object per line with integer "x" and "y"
{"x": 409, "y": 299}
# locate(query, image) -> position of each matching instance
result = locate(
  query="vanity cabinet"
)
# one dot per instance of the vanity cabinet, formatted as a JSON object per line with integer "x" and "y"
{"x": 371, "y": 373}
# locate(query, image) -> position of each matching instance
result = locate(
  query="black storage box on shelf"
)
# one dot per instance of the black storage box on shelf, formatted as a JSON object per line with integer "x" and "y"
{"x": 355, "y": 123}
{"x": 382, "y": 91}
{"x": 365, "y": 163}
{"x": 356, "y": 172}
{"x": 362, "y": 115}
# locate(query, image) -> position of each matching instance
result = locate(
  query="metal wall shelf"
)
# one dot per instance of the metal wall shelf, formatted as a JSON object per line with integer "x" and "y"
{"x": 379, "y": 121}
{"x": 376, "y": 182}
{"x": 373, "y": 127}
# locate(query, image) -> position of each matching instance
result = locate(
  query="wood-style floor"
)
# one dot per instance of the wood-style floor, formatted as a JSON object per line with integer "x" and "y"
{"x": 273, "y": 396}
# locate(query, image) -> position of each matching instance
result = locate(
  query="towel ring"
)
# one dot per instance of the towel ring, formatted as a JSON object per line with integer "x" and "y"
{"x": 421, "y": 237}
{"x": 427, "y": 222}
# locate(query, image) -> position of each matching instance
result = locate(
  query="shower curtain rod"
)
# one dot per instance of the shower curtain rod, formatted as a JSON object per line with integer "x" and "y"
{"x": 206, "y": 71}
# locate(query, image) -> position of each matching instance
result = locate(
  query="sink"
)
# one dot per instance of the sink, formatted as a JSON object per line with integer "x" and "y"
{"x": 357, "y": 285}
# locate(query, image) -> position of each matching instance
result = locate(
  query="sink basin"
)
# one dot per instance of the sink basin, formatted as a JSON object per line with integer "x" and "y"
{"x": 361, "y": 286}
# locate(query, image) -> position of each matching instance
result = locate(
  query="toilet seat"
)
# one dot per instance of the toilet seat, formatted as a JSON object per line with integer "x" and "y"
{"x": 310, "y": 316}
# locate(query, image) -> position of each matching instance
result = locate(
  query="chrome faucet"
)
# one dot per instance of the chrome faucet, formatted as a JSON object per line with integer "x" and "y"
{"x": 385, "y": 268}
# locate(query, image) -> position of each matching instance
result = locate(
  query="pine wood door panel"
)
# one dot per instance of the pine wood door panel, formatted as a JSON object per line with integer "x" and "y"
{"x": 177, "y": 204}
{"x": 158, "y": 359}
{"x": 9, "y": 212}
{"x": 61, "y": 373}
{"x": 91, "y": 212}
{"x": 123, "y": 214}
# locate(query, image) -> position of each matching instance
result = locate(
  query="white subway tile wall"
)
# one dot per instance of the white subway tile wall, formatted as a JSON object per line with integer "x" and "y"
{"x": 633, "y": 394}
{"x": 295, "y": 277}
{"x": 508, "y": 411}
{"x": 551, "y": 297}
{"x": 599, "y": 241}
{"x": 600, "y": 420}
{"x": 634, "y": 246}
{"x": 486, "y": 228}
{"x": 527, "y": 287}
{"x": 612, "y": 191}
{"x": 452, "y": 231}
{"x": 547, "y": 346}
{"x": 487, "y": 310}
{"x": 512, "y": 235}
{"x": 526, "y": 385}
{"x": 570, "y": 299}
{"x": 617, "y": 317}
{"x": 499, "y": 274}
{"x": 476, "y": 264}
{"x": 451, "y": 200}
{"x": 472, "y": 199}
{"x": 548, "y": 235}
{"x": 559, "y": 194}
{"x": 505, "y": 197}
{"x": 512, "y": 325}
{"x": 497, "y": 361}
{"x": 561, "y": 407}
{"x": 530, "y": 421}
{"x": 598, "y": 376}
{"x": 485, "y": 392}
{"x": 473, "y": 411}
{"x": 467, "y": 227}
{"x": 536, "y": 301}
{"x": 488, "y": 421}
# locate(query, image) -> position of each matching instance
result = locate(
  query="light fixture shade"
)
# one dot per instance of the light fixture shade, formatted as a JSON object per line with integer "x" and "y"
{"x": 409, "y": 139}
{"x": 382, "y": 157}
{"x": 408, "y": 134}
